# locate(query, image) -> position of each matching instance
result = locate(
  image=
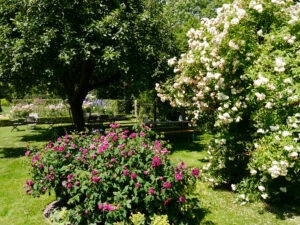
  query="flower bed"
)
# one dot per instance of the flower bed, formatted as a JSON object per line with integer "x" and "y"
{"x": 105, "y": 178}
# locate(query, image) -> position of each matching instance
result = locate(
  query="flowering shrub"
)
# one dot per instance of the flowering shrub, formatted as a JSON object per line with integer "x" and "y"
{"x": 242, "y": 73}
{"x": 22, "y": 110}
{"x": 103, "y": 178}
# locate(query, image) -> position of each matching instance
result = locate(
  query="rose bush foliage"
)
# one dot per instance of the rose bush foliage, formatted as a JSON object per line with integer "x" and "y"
{"x": 242, "y": 72}
{"x": 104, "y": 178}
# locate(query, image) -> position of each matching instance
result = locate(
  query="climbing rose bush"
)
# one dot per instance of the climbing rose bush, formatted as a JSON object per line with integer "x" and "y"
{"x": 241, "y": 74}
{"x": 104, "y": 178}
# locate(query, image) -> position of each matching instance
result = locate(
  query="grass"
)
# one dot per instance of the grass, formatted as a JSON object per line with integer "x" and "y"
{"x": 219, "y": 204}
{"x": 16, "y": 208}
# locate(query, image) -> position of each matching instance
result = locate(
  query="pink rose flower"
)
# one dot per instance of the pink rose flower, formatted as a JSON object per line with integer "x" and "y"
{"x": 151, "y": 191}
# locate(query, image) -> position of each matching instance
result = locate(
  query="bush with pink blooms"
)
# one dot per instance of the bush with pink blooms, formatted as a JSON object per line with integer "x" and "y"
{"x": 104, "y": 178}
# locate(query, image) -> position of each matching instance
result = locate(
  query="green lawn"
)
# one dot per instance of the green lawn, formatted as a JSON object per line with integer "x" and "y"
{"x": 218, "y": 205}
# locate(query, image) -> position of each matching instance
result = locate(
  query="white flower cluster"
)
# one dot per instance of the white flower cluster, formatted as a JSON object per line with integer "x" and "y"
{"x": 231, "y": 73}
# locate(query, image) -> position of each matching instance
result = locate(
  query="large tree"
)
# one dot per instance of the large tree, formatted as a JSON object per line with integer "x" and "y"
{"x": 74, "y": 47}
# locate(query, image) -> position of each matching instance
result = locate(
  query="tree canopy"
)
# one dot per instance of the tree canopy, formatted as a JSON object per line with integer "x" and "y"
{"x": 73, "y": 47}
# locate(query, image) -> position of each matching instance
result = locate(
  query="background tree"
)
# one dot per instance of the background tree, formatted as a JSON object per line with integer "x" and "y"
{"x": 74, "y": 47}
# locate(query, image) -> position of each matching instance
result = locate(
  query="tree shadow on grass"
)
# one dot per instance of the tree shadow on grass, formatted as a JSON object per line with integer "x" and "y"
{"x": 193, "y": 213}
{"x": 187, "y": 141}
{"x": 12, "y": 152}
{"x": 283, "y": 211}
{"x": 43, "y": 135}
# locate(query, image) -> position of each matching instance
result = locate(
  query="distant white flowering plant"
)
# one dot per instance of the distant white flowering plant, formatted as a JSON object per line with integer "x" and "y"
{"x": 241, "y": 75}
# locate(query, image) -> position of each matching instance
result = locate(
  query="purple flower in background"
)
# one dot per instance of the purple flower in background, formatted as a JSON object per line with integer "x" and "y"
{"x": 101, "y": 102}
{"x": 85, "y": 100}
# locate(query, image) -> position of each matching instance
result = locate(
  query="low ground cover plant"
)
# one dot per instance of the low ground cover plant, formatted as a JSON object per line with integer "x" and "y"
{"x": 104, "y": 178}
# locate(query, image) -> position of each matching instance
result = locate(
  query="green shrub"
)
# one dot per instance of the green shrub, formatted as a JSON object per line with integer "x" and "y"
{"x": 104, "y": 178}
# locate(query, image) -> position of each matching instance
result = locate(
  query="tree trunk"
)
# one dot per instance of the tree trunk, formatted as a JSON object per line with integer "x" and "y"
{"x": 77, "y": 113}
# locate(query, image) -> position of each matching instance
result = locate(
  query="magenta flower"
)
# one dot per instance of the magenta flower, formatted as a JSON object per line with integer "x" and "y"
{"x": 167, "y": 184}
{"x": 164, "y": 151}
{"x": 124, "y": 137}
{"x": 133, "y": 175}
{"x": 55, "y": 149}
{"x": 166, "y": 202}
{"x": 133, "y": 135}
{"x": 92, "y": 146}
{"x": 94, "y": 172}
{"x": 142, "y": 134}
{"x": 151, "y": 191}
{"x": 42, "y": 165}
{"x": 85, "y": 151}
{"x": 44, "y": 189}
{"x": 73, "y": 145}
{"x": 126, "y": 172}
{"x": 96, "y": 179}
{"x": 61, "y": 148}
{"x": 113, "y": 160}
{"x": 123, "y": 152}
{"x": 115, "y": 138}
{"x": 27, "y": 153}
{"x": 157, "y": 144}
{"x": 27, "y": 191}
{"x": 137, "y": 185}
{"x": 156, "y": 161}
{"x": 195, "y": 172}
{"x": 59, "y": 139}
{"x": 178, "y": 176}
{"x": 29, "y": 183}
{"x": 146, "y": 173}
{"x": 70, "y": 176}
{"x": 111, "y": 208}
{"x": 77, "y": 183}
{"x": 100, "y": 206}
{"x": 182, "y": 199}
{"x": 114, "y": 125}
{"x": 69, "y": 186}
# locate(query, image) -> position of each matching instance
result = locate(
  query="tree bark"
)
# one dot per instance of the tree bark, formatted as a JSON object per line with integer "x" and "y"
{"x": 77, "y": 113}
